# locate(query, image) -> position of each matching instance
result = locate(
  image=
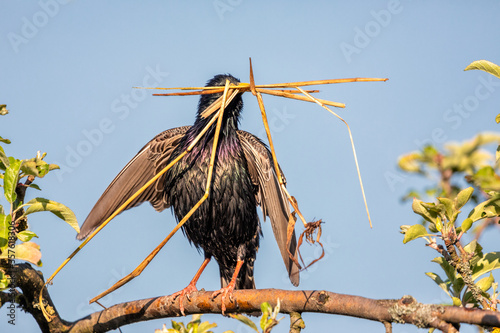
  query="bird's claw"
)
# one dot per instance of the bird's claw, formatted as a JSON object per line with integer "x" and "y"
{"x": 184, "y": 293}
{"x": 224, "y": 292}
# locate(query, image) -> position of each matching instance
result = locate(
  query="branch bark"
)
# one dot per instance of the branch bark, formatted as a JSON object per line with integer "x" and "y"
{"x": 405, "y": 310}
{"x": 31, "y": 282}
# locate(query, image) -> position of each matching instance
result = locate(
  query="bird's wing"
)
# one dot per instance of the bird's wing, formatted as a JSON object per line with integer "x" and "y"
{"x": 270, "y": 196}
{"x": 150, "y": 160}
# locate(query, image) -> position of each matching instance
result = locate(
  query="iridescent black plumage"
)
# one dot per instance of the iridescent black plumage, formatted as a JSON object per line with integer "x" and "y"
{"x": 226, "y": 226}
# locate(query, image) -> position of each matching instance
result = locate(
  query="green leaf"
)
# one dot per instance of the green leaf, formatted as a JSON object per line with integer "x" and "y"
{"x": 485, "y": 172}
{"x": 195, "y": 321}
{"x": 463, "y": 197}
{"x": 457, "y": 283}
{"x": 485, "y": 283}
{"x": 486, "y": 264}
{"x": 410, "y": 162}
{"x": 430, "y": 151}
{"x": 3, "y": 110}
{"x": 177, "y": 326}
{"x": 26, "y": 235}
{"x": 435, "y": 227}
{"x": 35, "y": 186}
{"x": 43, "y": 169}
{"x": 488, "y": 208}
{"x": 476, "y": 250}
{"x": 37, "y": 167}
{"x": 205, "y": 327}
{"x": 245, "y": 320}
{"x": 53, "y": 167}
{"x": 466, "y": 224}
{"x": 29, "y": 168}
{"x": 447, "y": 268}
{"x": 266, "y": 307}
{"x": 58, "y": 209}
{"x": 414, "y": 232}
{"x": 468, "y": 298}
{"x": 437, "y": 209}
{"x": 448, "y": 208}
{"x": 4, "y": 281}
{"x": 6, "y": 141}
{"x": 268, "y": 320}
{"x": 4, "y": 160}
{"x": 439, "y": 224}
{"x": 474, "y": 247}
{"x": 5, "y": 222}
{"x": 266, "y": 313}
{"x": 11, "y": 177}
{"x": 486, "y": 179}
{"x": 28, "y": 251}
{"x": 443, "y": 285}
{"x": 485, "y": 138}
{"x": 419, "y": 208}
{"x": 486, "y": 66}
{"x": 456, "y": 301}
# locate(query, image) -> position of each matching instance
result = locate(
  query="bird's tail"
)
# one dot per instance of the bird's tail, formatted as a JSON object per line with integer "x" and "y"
{"x": 244, "y": 280}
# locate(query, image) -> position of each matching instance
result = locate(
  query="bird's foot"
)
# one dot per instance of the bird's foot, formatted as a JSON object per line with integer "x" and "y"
{"x": 224, "y": 292}
{"x": 184, "y": 293}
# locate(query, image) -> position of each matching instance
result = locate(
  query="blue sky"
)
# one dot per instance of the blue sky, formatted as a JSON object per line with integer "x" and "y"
{"x": 68, "y": 68}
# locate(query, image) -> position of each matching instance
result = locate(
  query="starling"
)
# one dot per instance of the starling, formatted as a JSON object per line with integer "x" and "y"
{"x": 226, "y": 226}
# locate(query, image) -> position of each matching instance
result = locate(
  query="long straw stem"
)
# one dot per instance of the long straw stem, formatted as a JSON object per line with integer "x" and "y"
{"x": 353, "y": 149}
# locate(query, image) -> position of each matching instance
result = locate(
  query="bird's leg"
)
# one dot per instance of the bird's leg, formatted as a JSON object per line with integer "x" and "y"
{"x": 191, "y": 287}
{"x": 230, "y": 287}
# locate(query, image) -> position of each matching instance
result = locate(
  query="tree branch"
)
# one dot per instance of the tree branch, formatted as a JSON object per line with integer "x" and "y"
{"x": 296, "y": 322}
{"x": 405, "y": 310}
{"x": 31, "y": 282}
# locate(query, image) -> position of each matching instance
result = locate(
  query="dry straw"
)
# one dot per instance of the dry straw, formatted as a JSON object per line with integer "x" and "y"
{"x": 217, "y": 110}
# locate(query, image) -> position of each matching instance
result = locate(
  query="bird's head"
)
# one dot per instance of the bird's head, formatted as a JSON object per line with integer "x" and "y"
{"x": 234, "y": 108}
{"x": 220, "y": 80}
